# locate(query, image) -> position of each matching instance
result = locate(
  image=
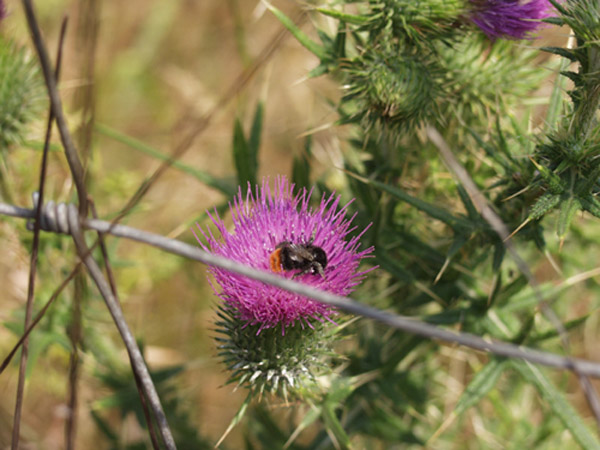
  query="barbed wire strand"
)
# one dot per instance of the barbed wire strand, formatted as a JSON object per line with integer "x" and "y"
{"x": 501, "y": 229}
{"x": 16, "y": 431}
{"x": 407, "y": 324}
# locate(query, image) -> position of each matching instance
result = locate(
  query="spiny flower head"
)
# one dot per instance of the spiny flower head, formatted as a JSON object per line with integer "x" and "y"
{"x": 511, "y": 19}
{"x": 262, "y": 221}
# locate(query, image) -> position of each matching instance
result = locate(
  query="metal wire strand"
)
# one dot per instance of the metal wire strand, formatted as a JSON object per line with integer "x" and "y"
{"x": 397, "y": 321}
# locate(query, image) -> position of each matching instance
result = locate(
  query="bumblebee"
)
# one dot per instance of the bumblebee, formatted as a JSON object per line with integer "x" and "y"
{"x": 307, "y": 258}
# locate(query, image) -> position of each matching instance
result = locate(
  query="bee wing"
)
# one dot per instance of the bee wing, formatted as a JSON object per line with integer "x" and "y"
{"x": 300, "y": 253}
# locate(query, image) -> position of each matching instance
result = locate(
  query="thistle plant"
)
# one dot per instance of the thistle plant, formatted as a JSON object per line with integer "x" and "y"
{"x": 270, "y": 338}
{"x": 567, "y": 159}
{"x": 21, "y": 91}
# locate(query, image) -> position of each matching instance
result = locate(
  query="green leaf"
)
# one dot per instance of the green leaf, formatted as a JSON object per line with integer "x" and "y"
{"x": 392, "y": 266}
{"x": 255, "y": 134}
{"x": 555, "y": 183}
{"x": 340, "y": 42}
{"x": 321, "y": 69}
{"x": 309, "y": 418}
{"x": 481, "y": 384}
{"x": 527, "y": 297}
{"x": 559, "y": 405}
{"x": 566, "y": 53}
{"x": 556, "y": 99}
{"x": 459, "y": 241}
{"x": 567, "y": 211}
{"x": 499, "y": 254}
{"x": 221, "y": 185}
{"x": 301, "y": 166}
{"x": 318, "y": 50}
{"x": 591, "y": 205}
{"x": 554, "y": 21}
{"x": 344, "y": 17}
{"x": 552, "y": 333}
{"x": 543, "y": 205}
{"x": 466, "y": 200}
{"x": 242, "y": 157}
{"x": 334, "y": 426}
{"x": 237, "y": 418}
{"x": 440, "y": 214}
{"x": 104, "y": 427}
{"x": 245, "y": 151}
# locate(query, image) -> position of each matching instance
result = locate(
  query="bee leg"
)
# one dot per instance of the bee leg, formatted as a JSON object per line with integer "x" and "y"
{"x": 319, "y": 268}
{"x": 304, "y": 272}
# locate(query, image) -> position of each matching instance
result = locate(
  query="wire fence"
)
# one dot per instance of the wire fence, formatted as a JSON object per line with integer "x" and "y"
{"x": 72, "y": 220}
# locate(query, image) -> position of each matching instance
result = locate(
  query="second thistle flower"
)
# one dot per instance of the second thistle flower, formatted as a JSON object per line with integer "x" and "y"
{"x": 510, "y": 19}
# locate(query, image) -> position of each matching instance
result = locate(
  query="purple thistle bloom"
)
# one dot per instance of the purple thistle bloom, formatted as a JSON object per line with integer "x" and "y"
{"x": 512, "y": 19}
{"x": 264, "y": 219}
{"x": 3, "y": 12}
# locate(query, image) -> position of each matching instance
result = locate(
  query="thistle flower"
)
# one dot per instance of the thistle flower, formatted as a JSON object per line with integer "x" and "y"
{"x": 262, "y": 221}
{"x": 511, "y": 19}
{"x": 2, "y": 10}
{"x": 267, "y": 226}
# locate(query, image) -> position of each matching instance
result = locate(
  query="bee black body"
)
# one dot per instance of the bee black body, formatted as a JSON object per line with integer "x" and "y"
{"x": 306, "y": 258}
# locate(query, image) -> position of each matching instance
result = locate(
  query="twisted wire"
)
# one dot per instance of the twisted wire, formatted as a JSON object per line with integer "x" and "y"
{"x": 54, "y": 216}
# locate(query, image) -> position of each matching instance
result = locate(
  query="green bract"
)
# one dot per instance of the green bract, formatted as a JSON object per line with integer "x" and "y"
{"x": 21, "y": 92}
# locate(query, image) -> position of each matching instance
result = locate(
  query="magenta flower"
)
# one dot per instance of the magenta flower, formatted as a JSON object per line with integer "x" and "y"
{"x": 512, "y": 19}
{"x": 262, "y": 220}
{"x": 2, "y": 10}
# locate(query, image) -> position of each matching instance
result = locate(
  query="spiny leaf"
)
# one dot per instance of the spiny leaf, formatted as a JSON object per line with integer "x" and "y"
{"x": 255, "y": 133}
{"x": 591, "y": 205}
{"x": 567, "y": 211}
{"x": 466, "y": 200}
{"x": 318, "y": 50}
{"x": 237, "y": 418}
{"x": 344, "y": 17}
{"x": 499, "y": 253}
{"x": 482, "y": 383}
{"x": 21, "y": 92}
{"x": 556, "y": 98}
{"x": 309, "y": 418}
{"x": 392, "y": 266}
{"x": 543, "y": 205}
{"x": 559, "y": 405}
{"x": 555, "y": 184}
{"x": 455, "y": 222}
{"x": 334, "y": 426}
{"x": 571, "y": 324}
{"x": 245, "y": 151}
{"x": 301, "y": 166}
{"x": 560, "y": 52}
